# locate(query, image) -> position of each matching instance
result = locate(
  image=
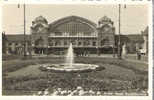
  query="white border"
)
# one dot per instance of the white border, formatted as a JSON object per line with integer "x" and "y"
{"x": 1, "y": 50}
{"x": 150, "y": 53}
{"x": 87, "y": 97}
{"x": 76, "y": 1}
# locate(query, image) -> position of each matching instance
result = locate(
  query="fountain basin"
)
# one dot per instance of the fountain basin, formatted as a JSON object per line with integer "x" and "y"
{"x": 76, "y": 67}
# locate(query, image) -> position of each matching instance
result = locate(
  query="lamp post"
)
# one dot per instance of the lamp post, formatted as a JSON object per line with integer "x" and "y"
{"x": 24, "y": 30}
{"x": 119, "y": 41}
{"x": 119, "y": 38}
{"x": 24, "y": 11}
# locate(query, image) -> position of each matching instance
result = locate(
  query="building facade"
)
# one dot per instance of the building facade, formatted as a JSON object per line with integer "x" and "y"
{"x": 85, "y": 35}
{"x": 14, "y": 44}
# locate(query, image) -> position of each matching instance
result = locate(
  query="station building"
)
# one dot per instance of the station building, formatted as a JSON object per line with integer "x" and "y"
{"x": 86, "y": 37}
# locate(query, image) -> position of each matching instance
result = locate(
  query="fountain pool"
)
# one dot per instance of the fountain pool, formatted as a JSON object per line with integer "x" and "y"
{"x": 69, "y": 65}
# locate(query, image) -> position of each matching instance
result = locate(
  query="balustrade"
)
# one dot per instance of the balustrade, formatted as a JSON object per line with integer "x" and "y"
{"x": 80, "y": 34}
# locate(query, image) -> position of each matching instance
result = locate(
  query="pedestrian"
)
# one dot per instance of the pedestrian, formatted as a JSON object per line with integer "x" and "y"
{"x": 124, "y": 51}
{"x": 138, "y": 55}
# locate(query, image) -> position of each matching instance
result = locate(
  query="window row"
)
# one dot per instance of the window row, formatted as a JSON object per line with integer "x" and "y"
{"x": 76, "y": 43}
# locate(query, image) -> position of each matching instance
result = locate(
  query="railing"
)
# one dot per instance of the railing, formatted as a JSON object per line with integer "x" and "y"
{"x": 74, "y": 46}
{"x": 77, "y": 35}
{"x": 72, "y": 36}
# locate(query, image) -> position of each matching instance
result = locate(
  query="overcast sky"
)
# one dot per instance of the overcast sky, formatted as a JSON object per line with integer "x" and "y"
{"x": 134, "y": 18}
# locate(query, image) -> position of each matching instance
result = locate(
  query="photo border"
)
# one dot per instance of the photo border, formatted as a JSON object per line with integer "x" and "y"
{"x": 150, "y": 58}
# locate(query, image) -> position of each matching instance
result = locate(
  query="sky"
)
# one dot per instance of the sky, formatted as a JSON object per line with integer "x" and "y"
{"x": 134, "y": 18}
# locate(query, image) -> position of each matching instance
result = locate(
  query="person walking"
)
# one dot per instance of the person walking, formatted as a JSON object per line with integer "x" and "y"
{"x": 138, "y": 55}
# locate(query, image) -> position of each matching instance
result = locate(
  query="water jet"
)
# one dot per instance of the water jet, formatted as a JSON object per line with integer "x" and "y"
{"x": 70, "y": 65}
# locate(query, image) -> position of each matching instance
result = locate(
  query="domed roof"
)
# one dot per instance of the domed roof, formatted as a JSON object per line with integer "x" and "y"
{"x": 105, "y": 19}
{"x": 40, "y": 19}
{"x": 42, "y": 24}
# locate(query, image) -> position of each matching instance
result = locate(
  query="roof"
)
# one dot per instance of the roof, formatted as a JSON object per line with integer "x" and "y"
{"x": 40, "y": 19}
{"x": 69, "y": 18}
{"x": 105, "y": 18}
{"x": 38, "y": 24}
{"x": 17, "y": 38}
{"x": 131, "y": 38}
{"x": 135, "y": 38}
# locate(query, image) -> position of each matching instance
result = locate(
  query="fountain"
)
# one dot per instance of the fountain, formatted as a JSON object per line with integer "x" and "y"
{"x": 70, "y": 65}
{"x": 70, "y": 56}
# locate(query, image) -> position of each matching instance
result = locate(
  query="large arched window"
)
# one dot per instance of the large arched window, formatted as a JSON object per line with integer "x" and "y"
{"x": 73, "y": 26}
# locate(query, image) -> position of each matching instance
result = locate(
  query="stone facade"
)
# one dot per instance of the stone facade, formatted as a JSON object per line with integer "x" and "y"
{"x": 85, "y": 35}
{"x": 14, "y": 44}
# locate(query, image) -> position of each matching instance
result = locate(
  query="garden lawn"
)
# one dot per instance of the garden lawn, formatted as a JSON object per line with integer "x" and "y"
{"x": 25, "y": 75}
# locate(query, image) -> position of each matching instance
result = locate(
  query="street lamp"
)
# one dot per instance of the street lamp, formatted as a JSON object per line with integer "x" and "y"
{"x": 24, "y": 10}
{"x": 119, "y": 38}
{"x": 24, "y": 30}
{"x": 119, "y": 41}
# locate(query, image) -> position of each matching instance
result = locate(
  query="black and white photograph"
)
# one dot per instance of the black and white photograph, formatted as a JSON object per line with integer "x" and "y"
{"x": 75, "y": 49}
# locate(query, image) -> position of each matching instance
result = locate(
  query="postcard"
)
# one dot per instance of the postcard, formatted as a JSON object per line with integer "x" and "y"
{"x": 77, "y": 50}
